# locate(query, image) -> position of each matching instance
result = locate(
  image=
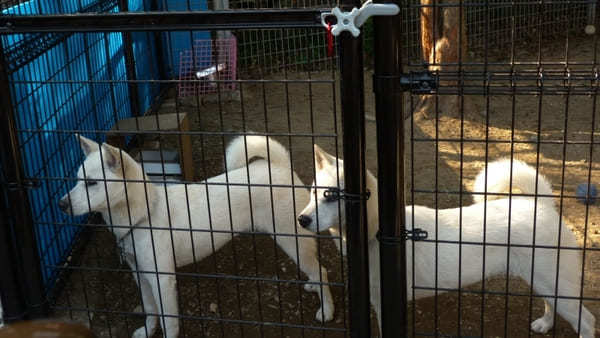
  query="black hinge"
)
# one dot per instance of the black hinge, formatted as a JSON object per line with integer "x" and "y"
{"x": 26, "y": 184}
{"x": 334, "y": 194}
{"x": 416, "y": 234}
{"x": 424, "y": 82}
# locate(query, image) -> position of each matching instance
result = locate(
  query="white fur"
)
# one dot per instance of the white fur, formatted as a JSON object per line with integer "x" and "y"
{"x": 230, "y": 209}
{"x": 497, "y": 230}
{"x": 235, "y": 154}
{"x": 524, "y": 178}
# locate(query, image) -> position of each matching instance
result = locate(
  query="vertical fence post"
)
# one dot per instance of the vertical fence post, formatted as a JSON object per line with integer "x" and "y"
{"x": 130, "y": 65}
{"x": 20, "y": 266}
{"x": 353, "y": 127}
{"x": 390, "y": 173}
{"x": 158, "y": 43}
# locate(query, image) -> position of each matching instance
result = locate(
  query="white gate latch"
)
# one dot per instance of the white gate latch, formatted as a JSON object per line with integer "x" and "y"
{"x": 351, "y": 21}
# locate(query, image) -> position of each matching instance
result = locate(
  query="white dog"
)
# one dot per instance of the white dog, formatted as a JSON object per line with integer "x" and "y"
{"x": 111, "y": 182}
{"x": 523, "y": 212}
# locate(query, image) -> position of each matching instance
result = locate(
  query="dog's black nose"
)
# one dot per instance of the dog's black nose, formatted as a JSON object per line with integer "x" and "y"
{"x": 304, "y": 220}
{"x": 63, "y": 205}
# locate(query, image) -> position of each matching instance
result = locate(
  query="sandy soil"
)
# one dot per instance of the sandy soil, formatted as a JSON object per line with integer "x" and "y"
{"x": 306, "y": 108}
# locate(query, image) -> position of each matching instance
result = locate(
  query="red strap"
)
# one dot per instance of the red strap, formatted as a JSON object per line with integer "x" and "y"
{"x": 329, "y": 41}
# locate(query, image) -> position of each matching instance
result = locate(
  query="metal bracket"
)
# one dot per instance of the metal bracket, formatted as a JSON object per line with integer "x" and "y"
{"x": 418, "y": 82}
{"x": 353, "y": 20}
{"x": 335, "y": 194}
{"x": 416, "y": 234}
{"x": 423, "y": 82}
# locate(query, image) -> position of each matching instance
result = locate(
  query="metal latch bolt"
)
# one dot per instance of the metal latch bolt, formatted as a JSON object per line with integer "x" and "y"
{"x": 424, "y": 82}
{"x": 416, "y": 234}
{"x": 334, "y": 194}
{"x": 353, "y": 20}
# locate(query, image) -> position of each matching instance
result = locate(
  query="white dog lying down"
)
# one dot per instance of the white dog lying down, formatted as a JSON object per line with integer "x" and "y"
{"x": 151, "y": 251}
{"x": 497, "y": 227}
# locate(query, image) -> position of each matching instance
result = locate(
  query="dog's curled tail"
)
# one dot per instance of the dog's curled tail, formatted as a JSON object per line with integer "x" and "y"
{"x": 257, "y": 147}
{"x": 498, "y": 179}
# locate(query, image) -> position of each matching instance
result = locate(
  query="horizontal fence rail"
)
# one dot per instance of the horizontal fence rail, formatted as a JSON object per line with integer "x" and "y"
{"x": 162, "y": 21}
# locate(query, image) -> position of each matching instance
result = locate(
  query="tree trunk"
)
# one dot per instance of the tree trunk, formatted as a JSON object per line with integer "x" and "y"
{"x": 444, "y": 44}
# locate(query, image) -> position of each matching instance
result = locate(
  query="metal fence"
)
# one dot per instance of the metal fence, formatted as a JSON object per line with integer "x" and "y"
{"x": 498, "y": 23}
{"x": 492, "y": 22}
{"x": 511, "y": 246}
{"x": 248, "y": 268}
{"x": 201, "y": 219}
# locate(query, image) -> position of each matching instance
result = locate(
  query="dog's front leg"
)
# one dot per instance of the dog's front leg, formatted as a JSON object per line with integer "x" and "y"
{"x": 339, "y": 243}
{"x": 164, "y": 291}
{"x": 149, "y": 306}
{"x": 309, "y": 264}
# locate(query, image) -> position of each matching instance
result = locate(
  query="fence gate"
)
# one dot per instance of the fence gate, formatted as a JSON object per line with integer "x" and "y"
{"x": 500, "y": 148}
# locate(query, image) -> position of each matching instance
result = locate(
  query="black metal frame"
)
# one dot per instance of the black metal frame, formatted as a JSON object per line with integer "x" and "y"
{"x": 162, "y": 21}
{"x": 390, "y": 164}
{"x": 350, "y": 55}
{"x": 22, "y": 287}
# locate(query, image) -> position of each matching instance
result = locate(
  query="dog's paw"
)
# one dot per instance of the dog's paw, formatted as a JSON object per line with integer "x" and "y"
{"x": 141, "y": 332}
{"x": 325, "y": 313}
{"x": 541, "y": 325}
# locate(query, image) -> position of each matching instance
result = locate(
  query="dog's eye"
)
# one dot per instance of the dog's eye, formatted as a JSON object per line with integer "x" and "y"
{"x": 89, "y": 183}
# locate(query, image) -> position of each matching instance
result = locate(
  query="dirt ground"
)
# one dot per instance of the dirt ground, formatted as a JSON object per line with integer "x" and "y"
{"x": 284, "y": 107}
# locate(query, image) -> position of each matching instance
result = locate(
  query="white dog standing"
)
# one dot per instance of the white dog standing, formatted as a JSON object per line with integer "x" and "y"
{"x": 112, "y": 183}
{"x": 523, "y": 215}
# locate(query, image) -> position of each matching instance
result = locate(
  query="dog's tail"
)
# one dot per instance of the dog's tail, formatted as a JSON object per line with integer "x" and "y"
{"x": 256, "y": 146}
{"x": 498, "y": 179}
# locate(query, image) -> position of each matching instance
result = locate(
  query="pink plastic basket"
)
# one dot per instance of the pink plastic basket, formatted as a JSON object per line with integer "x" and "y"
{"x": 209, "y": 60}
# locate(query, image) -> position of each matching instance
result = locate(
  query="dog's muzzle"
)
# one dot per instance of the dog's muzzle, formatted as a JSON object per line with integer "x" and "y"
{"x": 304, "y": 221}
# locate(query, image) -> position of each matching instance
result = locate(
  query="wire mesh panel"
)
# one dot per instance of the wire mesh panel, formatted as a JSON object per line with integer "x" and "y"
{"x": 50, "y": 91}
{"x": 266, "y": 48}
{"x": 217, "y": 251}
{"x": 208, "y": 61}
{"x": 501, "y": 16}
{"x": 273, "y": 50}
{"x": 500, "y": 156}
{"x": 498, "y": 23}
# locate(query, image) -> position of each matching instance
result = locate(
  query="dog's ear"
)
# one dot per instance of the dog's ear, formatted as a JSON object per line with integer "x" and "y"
{"x": 87, "y": 145}
{"x": 111, "y": 157}
{"x": 322, "y": 159}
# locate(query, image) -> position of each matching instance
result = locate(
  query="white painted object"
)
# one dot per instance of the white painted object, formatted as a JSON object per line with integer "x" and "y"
{"x": 210, "y": 73}
{"x": 353, "y": 20}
